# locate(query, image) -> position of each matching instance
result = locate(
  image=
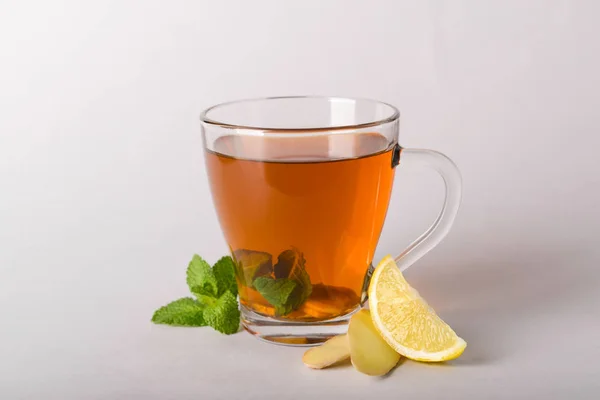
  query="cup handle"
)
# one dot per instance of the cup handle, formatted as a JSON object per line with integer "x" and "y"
{"x": 442, "y": 224}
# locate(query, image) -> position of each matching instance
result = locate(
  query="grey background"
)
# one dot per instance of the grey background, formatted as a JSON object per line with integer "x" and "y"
{"x": 103, "y": 195}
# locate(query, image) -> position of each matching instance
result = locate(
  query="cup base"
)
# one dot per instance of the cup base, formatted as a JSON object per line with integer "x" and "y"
{"x": 291, "y": 333}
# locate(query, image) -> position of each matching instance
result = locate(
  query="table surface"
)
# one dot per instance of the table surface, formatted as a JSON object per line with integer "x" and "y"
{"x": 103, "y": 196}
{"x": 531, "y": 324}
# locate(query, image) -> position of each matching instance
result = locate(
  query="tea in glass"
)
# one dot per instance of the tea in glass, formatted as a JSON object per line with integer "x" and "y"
{"x": 302, "y": 223}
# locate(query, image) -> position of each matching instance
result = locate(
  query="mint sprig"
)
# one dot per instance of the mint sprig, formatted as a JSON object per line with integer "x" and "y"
{"x": 216, "y": 303}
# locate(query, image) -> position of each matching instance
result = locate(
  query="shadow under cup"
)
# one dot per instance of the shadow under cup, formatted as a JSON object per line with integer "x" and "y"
{"x": 301, "y": 186}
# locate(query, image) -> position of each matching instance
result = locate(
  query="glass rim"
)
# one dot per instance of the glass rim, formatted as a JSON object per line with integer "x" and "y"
{"x": 395, "y": 115}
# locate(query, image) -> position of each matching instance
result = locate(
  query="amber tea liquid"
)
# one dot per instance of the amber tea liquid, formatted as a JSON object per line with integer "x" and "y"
{"x": 302, "y": 216}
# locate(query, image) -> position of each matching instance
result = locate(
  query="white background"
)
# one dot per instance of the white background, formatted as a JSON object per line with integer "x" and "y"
{"x": 103, "y": 194}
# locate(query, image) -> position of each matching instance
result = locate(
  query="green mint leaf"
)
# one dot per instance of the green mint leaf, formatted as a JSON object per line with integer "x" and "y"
{"x": 182, "y": 312}
{"x": 291, "y": 265}
{"x": 200, "y": 278}
{"x": 252, "y": 264}
{"x": 223, "y": 314}
{"x": 280, "y": 293}
{"x": 224, "y": 271}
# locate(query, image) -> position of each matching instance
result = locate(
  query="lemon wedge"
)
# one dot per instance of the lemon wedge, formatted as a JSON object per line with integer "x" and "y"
{"x": 405, "y": 320}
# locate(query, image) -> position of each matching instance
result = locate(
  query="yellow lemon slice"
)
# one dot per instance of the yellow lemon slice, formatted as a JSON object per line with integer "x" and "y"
{"x": 406, "y": 322}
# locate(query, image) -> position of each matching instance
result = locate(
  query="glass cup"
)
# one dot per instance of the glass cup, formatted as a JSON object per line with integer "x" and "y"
{"x": 301, "y": 186}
